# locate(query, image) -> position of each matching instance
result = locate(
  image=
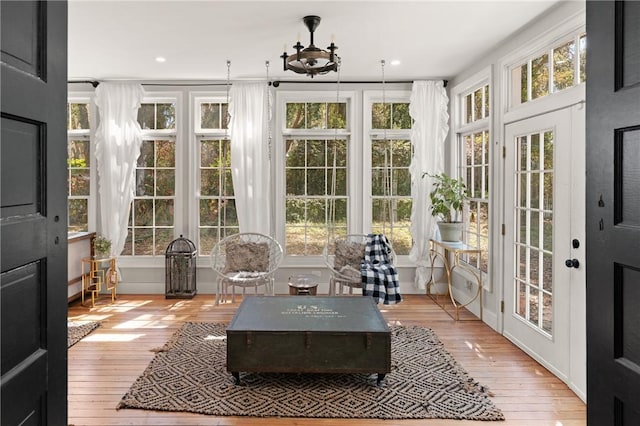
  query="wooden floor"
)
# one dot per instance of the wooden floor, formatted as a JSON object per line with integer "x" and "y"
{"x": 104, "y": 364}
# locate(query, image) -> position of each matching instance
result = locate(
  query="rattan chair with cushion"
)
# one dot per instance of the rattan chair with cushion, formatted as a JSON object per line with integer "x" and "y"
{"x": 245, "y": 260}
{"x": 343, "y": 256}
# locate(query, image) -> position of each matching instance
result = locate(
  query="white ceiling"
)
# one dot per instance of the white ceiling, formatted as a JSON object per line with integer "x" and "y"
{"x": 432, "y": 39}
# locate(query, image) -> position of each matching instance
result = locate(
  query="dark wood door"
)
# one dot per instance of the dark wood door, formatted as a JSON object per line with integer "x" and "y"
{"x": 33, "y": 224}
{"x": 613, "y": 213}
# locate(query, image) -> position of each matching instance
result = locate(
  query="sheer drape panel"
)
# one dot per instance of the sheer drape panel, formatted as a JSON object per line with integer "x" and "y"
{"x": 249, "y": 108}
{"x": 118, "y": 141}
{"x": 428, "y": 108}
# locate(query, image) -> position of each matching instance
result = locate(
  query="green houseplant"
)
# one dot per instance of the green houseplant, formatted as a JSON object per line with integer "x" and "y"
{"x": 101, "y": 247}
{"x": 447, "y": 200}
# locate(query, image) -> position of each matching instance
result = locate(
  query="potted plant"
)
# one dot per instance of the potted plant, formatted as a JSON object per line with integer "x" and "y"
{"x": 101, "y": 247}
{"x": 447, "y": 200}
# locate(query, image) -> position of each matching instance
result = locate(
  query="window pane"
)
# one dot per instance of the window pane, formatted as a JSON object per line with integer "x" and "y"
{"x": 477, "y": 104}
{"x": 208, "y": 239}
{"x": 146, "y": 116}
{"x": 317, "y": 115}
{"x": 79, "y": 182}
{"x": 143, "y": 212}
{"x": 164, "y": 212}
{"x": 400, "y": 116}
{"x": 164, "y": 236}
{"x": 401, "y": 179}
{"x": 78, "y": 117}
{"x": 540, "y": 76}
{"x": 381, "y": 116}
{"x": 78, "y": 214}
{"x": 402, "y": 153}
{"x": 295, "y": 116}
{"x": 165, "y": 151}
{"x": 524, "y": 83}
{"x": 486, "y": 101}
{"x": 210, "y": 116}
{"x": 316, "y": 153}
{"x": 209, "y": 209}
{"x": 144, "y": 182}
{"x": 165, "y": 116}
{"x": 468, "y": 108}
{"x": 209, "y": 182}
{"x": 316, "y": 182}
{"x": 165, "y": 181}
{"x": 143, "y": 241}
{"x": 147, "y": 156}
{"x": 337, "y": 115}
{"x": 563, "y": 66}
{"x": 583, "y": 58}
{"x": 295, "y": 181}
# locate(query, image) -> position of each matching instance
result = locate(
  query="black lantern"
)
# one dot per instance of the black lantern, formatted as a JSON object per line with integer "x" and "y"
{"x": 180, "y": 269}
{"x": 311, "y": 60}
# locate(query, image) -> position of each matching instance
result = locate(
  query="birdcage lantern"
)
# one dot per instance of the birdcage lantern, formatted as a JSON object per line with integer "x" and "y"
{"x": 180, "y": 269}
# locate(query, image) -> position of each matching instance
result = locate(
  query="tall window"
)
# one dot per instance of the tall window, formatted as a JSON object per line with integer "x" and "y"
{"x": 474, "y": 167}
{"x": 79, "y": 166}
{"x": 551, "y": 71}
{"x": 151, "y": 222}
{"x": 217, "y": 216}
{"x": 316, "y": 175}
{"x": 391, "y": 153}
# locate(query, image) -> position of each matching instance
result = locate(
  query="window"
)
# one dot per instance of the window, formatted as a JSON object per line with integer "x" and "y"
{"x": 476, "y": 173}
{"x": 391, "y": 153}
{"x": 551, "y": 71}
{"x": 316, "y": 175}
{"x": 217, "y": 216}
{"x": 474, "y": 167}
{"x": 79, "y": 165}
{"x": 151, "y": 222}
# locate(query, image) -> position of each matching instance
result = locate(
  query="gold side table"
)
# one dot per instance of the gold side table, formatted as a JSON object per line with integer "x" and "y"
{"x": 450, "y": 253}
{"x": 96, "y": 273}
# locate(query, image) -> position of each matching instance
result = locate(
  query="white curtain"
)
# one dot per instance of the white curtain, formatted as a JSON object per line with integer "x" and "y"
{"x": 118, "y": 141}
{"x": 249, "y": 110}
{"x": 428, "y": 108}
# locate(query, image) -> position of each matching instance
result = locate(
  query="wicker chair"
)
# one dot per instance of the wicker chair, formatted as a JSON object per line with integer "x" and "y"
{"x": 245, "y": 260}
{"x": 343, "y": 256}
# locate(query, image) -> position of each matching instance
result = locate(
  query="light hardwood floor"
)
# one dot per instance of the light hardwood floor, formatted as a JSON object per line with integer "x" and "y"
{"x": 103, "y": 365}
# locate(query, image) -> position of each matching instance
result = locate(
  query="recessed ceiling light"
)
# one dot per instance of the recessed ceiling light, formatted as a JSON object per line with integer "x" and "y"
{"x": 161, "y": 59}
{"x": 395, "y": 62}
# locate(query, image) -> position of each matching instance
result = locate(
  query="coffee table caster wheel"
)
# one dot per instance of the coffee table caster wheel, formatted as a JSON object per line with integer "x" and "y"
{"x": 236, "y": 378}
{"x": 380, "y": 378}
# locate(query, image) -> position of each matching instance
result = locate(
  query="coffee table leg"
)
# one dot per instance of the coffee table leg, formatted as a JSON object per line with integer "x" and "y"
{"x": 380, "y": 378}
{"x": 236, "y": 377}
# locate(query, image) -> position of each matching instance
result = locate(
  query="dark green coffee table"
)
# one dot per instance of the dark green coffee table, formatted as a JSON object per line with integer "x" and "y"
{"x": 308, "y": 334}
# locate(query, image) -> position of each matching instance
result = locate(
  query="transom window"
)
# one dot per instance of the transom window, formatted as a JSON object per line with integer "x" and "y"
{"x": 79, "y": 166}
{"x": 551, "y": 71}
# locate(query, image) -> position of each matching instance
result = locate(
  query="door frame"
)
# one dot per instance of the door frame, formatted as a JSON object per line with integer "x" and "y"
{"x": 575, "y": 377}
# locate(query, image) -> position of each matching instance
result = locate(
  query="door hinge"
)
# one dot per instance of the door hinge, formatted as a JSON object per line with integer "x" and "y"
{"x": 504, "y": 152}
{"x": 503, "y": 230}
{"x": 502, "y": 306}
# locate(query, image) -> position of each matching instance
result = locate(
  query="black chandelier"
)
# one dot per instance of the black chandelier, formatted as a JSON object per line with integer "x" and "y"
{"x": 310, "y": 60}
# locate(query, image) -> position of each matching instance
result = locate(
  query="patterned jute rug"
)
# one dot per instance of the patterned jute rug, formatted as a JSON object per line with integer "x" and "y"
{"x": 77, "y": 330}
{"x": 189, "y": 374}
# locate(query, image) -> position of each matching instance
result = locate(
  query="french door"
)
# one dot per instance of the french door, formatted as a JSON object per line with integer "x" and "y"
{"x": 544, "y": 241}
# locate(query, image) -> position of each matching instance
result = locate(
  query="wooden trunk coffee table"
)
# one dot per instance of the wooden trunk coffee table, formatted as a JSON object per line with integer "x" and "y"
{"x": 308, "y": 334}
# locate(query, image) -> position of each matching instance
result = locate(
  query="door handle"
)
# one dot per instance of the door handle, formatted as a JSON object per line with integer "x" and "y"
{"x": 572, "y": 263}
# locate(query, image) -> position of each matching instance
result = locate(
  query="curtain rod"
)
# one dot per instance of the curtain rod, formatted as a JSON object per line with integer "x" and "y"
{"x": 274, "y": 83}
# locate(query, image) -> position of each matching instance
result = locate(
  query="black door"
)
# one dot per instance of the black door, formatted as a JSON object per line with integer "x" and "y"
{"x": 33, "y": 224}
{"x": 613, "y": 213}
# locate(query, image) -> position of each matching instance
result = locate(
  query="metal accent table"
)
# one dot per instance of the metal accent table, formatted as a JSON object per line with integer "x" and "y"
{"x": 100, "y": 271}
{"x": 444, "y": 250}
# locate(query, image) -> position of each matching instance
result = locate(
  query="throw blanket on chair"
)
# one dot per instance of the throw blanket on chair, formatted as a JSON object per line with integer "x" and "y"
{"x": 379, "y": 276}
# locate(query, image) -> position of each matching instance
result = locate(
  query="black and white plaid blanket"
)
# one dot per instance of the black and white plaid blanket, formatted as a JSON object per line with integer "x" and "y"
{"x": 379, "y": 276}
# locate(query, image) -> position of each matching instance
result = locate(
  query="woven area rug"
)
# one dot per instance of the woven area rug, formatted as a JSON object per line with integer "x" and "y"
{"x": 189, "y": 374}
{"x": 77, "y": 330}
